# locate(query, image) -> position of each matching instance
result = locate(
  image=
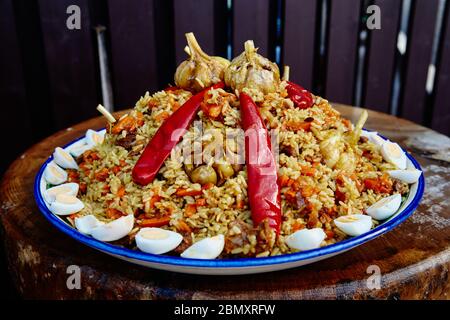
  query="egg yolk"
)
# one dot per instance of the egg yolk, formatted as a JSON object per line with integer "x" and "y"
{"x": 154, "y": 234}
{"x": 66, "y": 198}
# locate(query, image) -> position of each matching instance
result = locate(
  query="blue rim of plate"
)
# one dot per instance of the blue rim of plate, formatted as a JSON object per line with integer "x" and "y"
{"x": 232, "y": 262}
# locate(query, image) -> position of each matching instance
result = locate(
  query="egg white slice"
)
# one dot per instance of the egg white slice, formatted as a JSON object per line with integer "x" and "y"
{"x": 114, "y": 230}
{"x": 306, "y": 239}
{"x": 54, "y": 175}
{"x": 208, "y": 248}
{"x": 78, "y": 148}
{"x": 66, "y": 204}
{"x": 373, "y": 137}
{"x": 407, "y": 176}
{"x": 385, "y": 207}
{"x": 393, "y": 154}
{"x": 94, "y": 138}
{"x": 354, "y": 224}
{"x": 87, "y": 223}
{"x": 66, "y": 188}
{"x": 157, "y": 240}
{"x": 64, "y": 159}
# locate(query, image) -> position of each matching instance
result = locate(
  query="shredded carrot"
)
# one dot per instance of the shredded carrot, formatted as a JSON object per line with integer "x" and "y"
{"x": 121, "y": 191}
{"x": 155, "y": 222}
{"x": 207, "y": 186}
{"x": 380, "y": 185}
{"x": 200, "y": 202}
{"x": 240, "y": 204}
{"x": 74, "y": 215}
{"x": 330, "y": 234}
{"x": 283, "y": 180}
{"x": 116, "y": 169}
{"x": 112, "y": 213}
{"x": 183, "y": 226}
{"x": 190, "y": 210}
{"x": 156, "y": 198}
{"x": 297, "y": 226}
{"x": 162, "y": 116}
{"x": 181, "y": 192}
{"x": 102, "y": 174}
{"x": 308, "y": 171}
{"x": 295, "y": 126}
{"x": 126, "y": 123}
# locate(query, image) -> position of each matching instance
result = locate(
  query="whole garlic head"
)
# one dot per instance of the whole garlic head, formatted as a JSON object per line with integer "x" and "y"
{"x": 252, "y": 71}
{"x": 200, "y": 70}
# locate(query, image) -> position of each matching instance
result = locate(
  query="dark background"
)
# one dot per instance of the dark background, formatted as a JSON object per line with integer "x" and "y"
{"x": 50, "y": 75}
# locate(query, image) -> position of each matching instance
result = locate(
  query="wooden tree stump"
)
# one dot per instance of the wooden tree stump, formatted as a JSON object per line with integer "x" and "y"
{"x": 414, "y": 258}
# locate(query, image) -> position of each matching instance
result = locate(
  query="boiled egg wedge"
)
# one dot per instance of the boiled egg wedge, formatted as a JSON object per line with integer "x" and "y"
{"x": 393, "y": 154}
{"x": 70, "y": 188}
{"x": 64, "y": 159}
{"x": 208, "y": 248}
{"x": 78, "y": 148}
{"x": 373, "y": 137}
{"x": 157, "y": 240}
{"x": 94, "y": 138}
{"x": 354, "y": 224}
{"x": 87, "y": 223}
{"x": 385, "y": 207}
{"x": 407, "y": 176}
{"x": 53, "y": 174}
{"x": 114, "y": 230}
{"x": 66, "y": 204}
{"x": 306, "y": 239}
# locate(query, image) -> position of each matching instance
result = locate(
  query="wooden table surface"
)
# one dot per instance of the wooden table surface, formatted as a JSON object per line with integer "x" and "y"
{"x": 414, "y": 258}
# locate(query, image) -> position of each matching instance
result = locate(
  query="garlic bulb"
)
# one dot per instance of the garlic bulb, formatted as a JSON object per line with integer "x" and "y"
{"x": 200, "y": 70}
{"x": 253, "y": 71}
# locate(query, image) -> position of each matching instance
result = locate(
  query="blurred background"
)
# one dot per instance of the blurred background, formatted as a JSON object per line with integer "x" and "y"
{"x": 52, "y": 76}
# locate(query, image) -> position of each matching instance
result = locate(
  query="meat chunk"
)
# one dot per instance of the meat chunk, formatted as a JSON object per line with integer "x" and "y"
{"x": 127, "y": 141}
{"x": 186, "y": 243}
{"x": 237, "y": 239}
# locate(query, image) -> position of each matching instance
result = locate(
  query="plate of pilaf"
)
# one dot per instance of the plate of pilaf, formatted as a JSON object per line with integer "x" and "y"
{"x": 232, "y": 170}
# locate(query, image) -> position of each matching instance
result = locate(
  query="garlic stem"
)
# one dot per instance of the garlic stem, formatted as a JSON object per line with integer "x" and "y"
{"x": 286, "y": 73}
{"x": 187, "y": 50}
{"x": 195, "y": 47}
{"x": 249, "y": 47}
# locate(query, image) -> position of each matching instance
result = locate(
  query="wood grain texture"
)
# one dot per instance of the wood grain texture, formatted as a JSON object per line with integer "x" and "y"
{"x": 342, "y": 50}
{"x": 195, "y": 16}
{"x": 381, "y": 57}
{"x": 441, "y": 111}
{"x": 420, "y": 43}
{"x": 299, "y": 40}
{"x": 414, "y": 258}
{"x": 133, "y": 49}
{"x": 251, "y": 22}
{"x": 71, "y": 62}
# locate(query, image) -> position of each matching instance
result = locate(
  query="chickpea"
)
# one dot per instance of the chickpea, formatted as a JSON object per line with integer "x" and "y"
{"x": 204, "y": 174}
{"x": 225, "y": 170}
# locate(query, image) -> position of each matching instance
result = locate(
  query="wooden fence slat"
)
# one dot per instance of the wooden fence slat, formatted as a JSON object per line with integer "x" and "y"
{"x": 71, "y": 62}
{"x": 12, "y": 88}
{"x": 251, "y": 22}
{"x": 299, "y": 40}
{"x": 133, "y": 50}
{"x": 342, "y": 50}
{"x": 381, "y": 57}
{"x": 441, "y": 111}
{"x": 194, "y": 16}
{"x": 420, "y": 43}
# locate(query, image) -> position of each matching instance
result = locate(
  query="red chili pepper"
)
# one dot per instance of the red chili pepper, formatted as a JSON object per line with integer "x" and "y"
{"x": 166, "y": 138}
{"x": 263, "y": 191}
{"x": 301, "y": 97}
